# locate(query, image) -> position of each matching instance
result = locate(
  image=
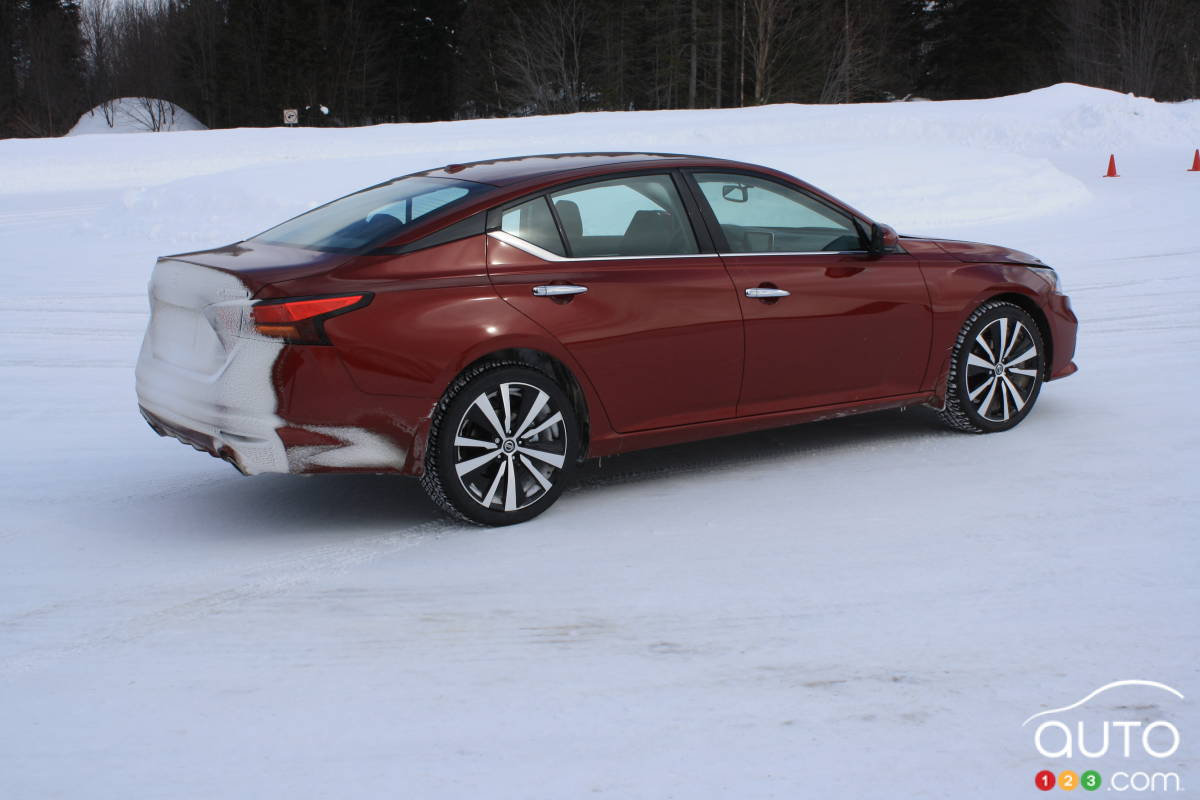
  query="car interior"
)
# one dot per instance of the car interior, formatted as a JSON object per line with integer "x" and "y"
{"x": 760, "y": 216}
{"x": 757, "y": 239}
{"x": 604, "y": 220}
{"x": 650, "y": 232}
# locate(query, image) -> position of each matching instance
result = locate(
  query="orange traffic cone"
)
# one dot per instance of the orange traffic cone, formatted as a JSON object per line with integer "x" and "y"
{"x": 1195, "y": 162}
{"x": 1112, "y": 168}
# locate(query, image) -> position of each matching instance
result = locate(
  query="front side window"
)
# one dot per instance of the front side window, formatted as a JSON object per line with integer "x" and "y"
{"x": 635, "y": 216}
{"x": 371, "y": 217}
{"x": 762, "y": 216}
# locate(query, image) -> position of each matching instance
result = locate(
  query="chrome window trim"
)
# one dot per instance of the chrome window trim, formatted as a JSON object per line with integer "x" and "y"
{"x": 546, "y": 255}
{"x": 803, "y": 253}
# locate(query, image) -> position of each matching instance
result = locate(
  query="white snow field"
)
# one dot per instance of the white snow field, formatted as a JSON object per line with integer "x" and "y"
{"x": 863, "y": 608}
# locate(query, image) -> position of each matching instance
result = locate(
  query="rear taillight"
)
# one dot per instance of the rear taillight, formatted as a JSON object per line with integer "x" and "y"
{"x": 302, "y": 320}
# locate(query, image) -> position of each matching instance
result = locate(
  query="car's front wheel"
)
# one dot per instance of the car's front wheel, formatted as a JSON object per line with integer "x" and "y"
{"x": 503, "y": 444}
{"x": 995, "y": 371}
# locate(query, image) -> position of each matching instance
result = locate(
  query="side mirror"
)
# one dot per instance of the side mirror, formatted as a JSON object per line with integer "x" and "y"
{"x": 883, "y": 239}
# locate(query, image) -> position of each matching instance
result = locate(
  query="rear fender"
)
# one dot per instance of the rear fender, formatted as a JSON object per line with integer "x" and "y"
{"x": 534, "y": 338}
{"x": 415, "y": 343}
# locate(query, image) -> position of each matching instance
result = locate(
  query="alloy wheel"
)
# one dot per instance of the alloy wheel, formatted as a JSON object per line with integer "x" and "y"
{"x": 510, "y": 446}
{"x": 1002, "y": 369}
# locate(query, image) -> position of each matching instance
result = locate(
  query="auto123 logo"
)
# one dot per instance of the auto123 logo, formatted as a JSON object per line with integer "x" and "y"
{"x": 1117, "y": 738}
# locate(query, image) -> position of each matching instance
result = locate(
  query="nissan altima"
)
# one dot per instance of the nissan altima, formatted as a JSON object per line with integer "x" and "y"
{"x": 487, "y": 326}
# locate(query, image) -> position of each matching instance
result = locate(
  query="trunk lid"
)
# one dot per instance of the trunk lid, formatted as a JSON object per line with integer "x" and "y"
{"x": 196, "y": 315}
{"x": 257, "y": 264}
{"x": 200, "y": 302}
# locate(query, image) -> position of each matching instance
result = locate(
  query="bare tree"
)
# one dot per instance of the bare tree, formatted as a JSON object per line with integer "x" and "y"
{"x": 1124, "y": 44}
{"x": 97, "y": 26}
{"x": 719, "y": 60}
{"x": 147, "y": 64}
{"x": 693, "y": 53}
{"x": 772, "y": 24}
{"x": 741, "y": 53}
{"x": 1082, "y": 49}
{"x": 852, "y": 54}
{"x": 544, "y": 58}
{"x": 1140, "y": 34}
{"x": 201, "y": 27}
{"x": 50, "y": 70}
{"x": 152, "y": 113}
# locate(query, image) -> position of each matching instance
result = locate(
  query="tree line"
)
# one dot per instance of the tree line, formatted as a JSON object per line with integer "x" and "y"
{"x": 357, "y": 62}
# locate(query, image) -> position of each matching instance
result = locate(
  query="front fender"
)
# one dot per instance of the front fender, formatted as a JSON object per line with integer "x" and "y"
{"x": 956, "y": 290}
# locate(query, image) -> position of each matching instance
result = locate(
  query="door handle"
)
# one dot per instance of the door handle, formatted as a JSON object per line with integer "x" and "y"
{"x": 763, "y": 292}
{"x": 558, "y": 290}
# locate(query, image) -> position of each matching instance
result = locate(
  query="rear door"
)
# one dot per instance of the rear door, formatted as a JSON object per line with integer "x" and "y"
{"x": 614, "y": 269}
{"x": 826, "y": 322}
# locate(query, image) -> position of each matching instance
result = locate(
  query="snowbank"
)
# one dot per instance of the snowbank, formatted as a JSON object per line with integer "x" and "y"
{"x": 918, "y": 166}
{"x": 135, "y": 115}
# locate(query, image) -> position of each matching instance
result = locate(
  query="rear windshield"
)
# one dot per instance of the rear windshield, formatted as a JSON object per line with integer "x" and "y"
{"x": 371, "y": 217}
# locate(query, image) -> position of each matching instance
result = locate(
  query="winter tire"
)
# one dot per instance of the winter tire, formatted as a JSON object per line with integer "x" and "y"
{"x": 503, "y": 444}
{"x": 996, "y": 370}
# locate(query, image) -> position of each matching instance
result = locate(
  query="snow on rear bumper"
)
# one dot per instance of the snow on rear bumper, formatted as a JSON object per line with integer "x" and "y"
{"x": 230, "y": 415}
{"x": 256, "y": 442}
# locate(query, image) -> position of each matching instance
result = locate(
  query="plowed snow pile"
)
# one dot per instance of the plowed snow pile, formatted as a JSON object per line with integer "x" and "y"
{"x": 862, "y": 608}
{"x": 135, "y": 115}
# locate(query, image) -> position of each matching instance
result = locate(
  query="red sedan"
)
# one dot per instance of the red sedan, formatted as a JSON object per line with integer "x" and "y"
{"x": 486, "y": 326}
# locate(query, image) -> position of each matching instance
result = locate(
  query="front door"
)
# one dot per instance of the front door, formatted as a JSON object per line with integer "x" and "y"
{"x": 613, "y": 270}
{"x": 825, "y": 321}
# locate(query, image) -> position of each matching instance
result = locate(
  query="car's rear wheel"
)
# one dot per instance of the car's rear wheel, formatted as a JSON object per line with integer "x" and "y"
{"x": 996, "y": 370}
{"x": 503, "y": 444}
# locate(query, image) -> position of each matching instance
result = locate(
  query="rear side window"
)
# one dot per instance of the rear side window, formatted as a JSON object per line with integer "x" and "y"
{"x": 532, "y": 222}
{"x": 371, "y": 217}
{"x": 635, "y": 216}
{"x": 762, "y": 216}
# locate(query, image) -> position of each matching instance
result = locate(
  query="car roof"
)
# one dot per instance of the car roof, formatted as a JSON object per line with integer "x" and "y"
{"x": 526, "y": 169}
{"x": 514, "y": 177}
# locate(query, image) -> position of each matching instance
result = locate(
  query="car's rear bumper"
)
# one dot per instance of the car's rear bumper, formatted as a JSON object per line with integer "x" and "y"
{"x": 211, "y": 415}
{"x": 303, "y": 414}
{"x": 234, "y": 448}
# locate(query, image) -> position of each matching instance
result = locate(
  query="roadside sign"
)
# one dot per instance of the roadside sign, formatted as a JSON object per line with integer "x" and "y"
{"x": 291, "y": 116}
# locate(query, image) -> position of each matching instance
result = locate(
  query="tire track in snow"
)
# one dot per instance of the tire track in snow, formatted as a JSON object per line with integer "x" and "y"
{"x": 265, "y": 579}
{"x": 37, "y": 217}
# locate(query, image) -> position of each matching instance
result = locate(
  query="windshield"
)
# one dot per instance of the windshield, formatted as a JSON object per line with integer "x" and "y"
{"x": 371, "y": 217}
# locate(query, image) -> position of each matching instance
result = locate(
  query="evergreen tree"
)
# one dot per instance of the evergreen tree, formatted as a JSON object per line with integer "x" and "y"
{"x": 988, "y": 48}
{"x": 8, "y": 67}
{"x": 241, "y": 62}
{"x": 42, "y": 77}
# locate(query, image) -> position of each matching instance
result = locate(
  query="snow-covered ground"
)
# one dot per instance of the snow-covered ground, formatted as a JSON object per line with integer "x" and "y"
{"x": 861, "y": 608}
